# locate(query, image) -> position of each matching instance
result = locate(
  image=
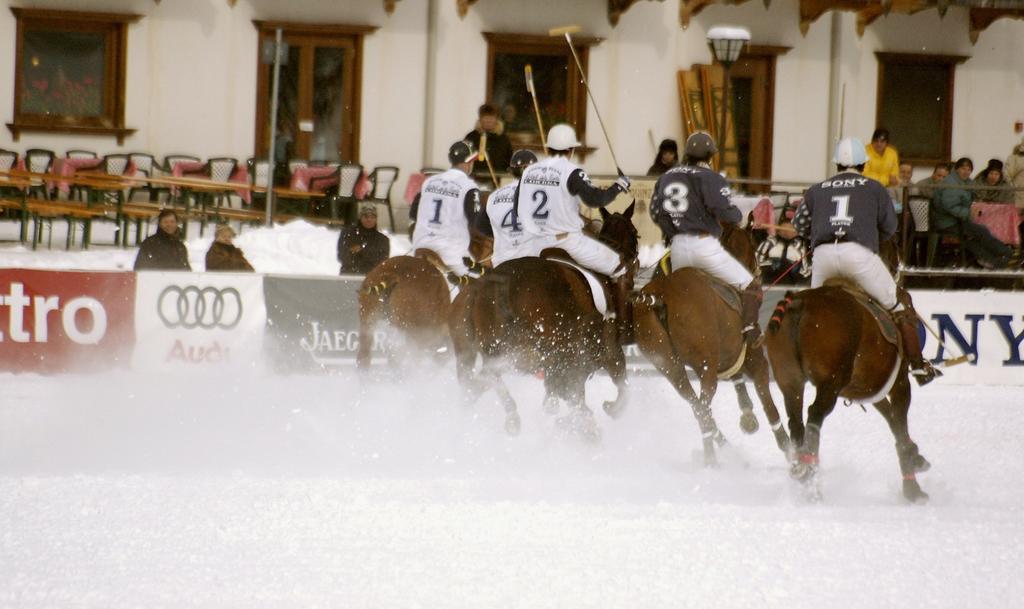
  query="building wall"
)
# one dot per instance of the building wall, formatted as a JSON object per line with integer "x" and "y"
{"x": 192, "y": 75}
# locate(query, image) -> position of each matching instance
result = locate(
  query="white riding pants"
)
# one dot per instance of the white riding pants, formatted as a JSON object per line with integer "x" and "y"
{"x": 707, "y": 254}
{"x": 451, "y": 254}
{"x": 855, "y": 262}
{"x": 588, "y": 252}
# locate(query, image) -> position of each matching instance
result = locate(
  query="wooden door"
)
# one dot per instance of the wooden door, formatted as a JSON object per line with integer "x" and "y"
{"x": 318, "y": 94}
{"x": 753, "y": 110}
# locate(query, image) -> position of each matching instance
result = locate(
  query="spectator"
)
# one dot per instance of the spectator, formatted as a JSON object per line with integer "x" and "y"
{"x": 668, "y": 157}
{"x": 223, "y": 255}
{"x": 905, "y": 181}
{"x": 783, "y": 253}
{"x": 499, "y": 147}
{"x": 926, "y": 187}
{"x": 1015, "y": 173}
{"x": 362, "y": 247}
{"x": 951, "y": 211}
{"x": 163, "y": 250}
{"x": 883, "y": 161}
{"x": 992, "y": 176}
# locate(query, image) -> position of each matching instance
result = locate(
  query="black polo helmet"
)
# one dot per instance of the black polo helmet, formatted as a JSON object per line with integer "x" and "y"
{"x": 461, "y": 152}
{"x": 700, "y": 145}
{"x": 521, "y": 159}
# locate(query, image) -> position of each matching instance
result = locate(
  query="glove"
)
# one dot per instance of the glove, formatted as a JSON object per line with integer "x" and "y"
{"x": 623, "y": 182}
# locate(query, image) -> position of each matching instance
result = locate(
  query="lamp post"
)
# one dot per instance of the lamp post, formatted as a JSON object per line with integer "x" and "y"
{"x": 726, "y": 45}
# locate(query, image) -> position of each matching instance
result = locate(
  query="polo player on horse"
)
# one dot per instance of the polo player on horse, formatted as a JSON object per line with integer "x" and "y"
{"x": 445, "y": 208}
{"x": 548, "y": 206}
{"x": 843, "y": 217}
{"x": 689, "y": 204}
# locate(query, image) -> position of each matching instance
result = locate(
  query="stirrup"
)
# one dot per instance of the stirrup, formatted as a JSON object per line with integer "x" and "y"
{"x": 753, "y": 335}
{"x": 925, "y": 373}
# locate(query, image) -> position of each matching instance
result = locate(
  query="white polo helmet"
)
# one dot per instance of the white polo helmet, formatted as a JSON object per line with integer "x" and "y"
{"x": 562, "y": 137}
{"x": 850, "y": 153}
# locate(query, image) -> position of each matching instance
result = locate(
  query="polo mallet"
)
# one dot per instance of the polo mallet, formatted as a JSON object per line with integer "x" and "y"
{"x": 966, "y": 357}
{"x": 567, "y": 31}
{"x": 482, "y": 154}
{"x": 536, "y": 107}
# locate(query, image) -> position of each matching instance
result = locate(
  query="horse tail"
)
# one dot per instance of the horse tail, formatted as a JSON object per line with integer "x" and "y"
{"x": 781, "y": 308}
{"x": 381, "y": 289}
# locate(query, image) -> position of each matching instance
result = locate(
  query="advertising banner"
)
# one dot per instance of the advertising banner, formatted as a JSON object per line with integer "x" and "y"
{"x": 988, "y": 325}
{"x": 65, "y": 321}
{"x": 313, "y": 323}
{"x": 198, "y": 319}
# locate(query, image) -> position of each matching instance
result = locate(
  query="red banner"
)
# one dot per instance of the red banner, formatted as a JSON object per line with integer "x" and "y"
{"x": 52, "y": 321}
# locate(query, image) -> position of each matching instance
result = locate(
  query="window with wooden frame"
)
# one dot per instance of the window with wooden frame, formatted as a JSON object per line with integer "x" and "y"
{"x": 561, "y": 95}
{"x": 915, "y": 103}
{"x": 70, "y": 72}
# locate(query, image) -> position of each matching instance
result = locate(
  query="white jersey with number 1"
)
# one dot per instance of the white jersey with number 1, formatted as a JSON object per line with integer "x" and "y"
{"x": 441, "y": 223}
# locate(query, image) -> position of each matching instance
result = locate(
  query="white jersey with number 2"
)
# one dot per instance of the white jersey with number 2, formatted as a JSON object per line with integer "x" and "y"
{"x": 545, "y": 205}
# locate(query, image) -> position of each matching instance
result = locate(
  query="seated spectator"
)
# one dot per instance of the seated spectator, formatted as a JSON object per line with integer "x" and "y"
{"x": 926, "y": 187}
{"x": 883, "y": 161}
{"x": 906, "y": 174}
{"x": 163, "y": 250}
{"x": 783, "y": 252}
{"x": 223, "y": 255}
{"x": 951, "y": 213}
{"x": 1014, "y": 172}
{"x": 362, "y": 247}
{"x": 992, "y": 176}
{"x": 668, "y": 157}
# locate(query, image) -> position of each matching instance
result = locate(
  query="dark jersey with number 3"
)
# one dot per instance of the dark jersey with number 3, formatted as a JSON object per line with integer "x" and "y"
{"x": 692, "y": 200}
{"x": 846, "y": 207}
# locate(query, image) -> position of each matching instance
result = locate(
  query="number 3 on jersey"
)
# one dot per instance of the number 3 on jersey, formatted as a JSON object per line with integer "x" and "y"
{"x": 675, "y": 198}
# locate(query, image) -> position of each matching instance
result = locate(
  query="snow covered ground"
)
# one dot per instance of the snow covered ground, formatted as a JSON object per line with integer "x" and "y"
{"x": 131, "y": 490}
{"x": 248, "y": 490}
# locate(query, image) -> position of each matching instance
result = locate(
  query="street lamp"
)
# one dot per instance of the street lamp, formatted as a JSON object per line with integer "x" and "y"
{"x": 726, "y": 44}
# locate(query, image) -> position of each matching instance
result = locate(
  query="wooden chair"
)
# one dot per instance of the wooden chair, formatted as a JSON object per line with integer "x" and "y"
{"x": 945, "y": 243}
{"x": 382, "y": 179}
{"x": 8, "y": 161}
{"x": 146, "y": 165}
{"x": 349, "y": 175}
{"x": 81, "y": 154}
{"x": 259, "y": 176}
{"x": 919, "y": 212}
{"x": 39, "y": 160}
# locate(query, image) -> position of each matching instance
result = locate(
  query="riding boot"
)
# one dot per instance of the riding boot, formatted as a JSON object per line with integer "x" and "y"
{"x": 621, "y": 288}
{"x": 750, "y": 300}
{"x": 920, "y": 368}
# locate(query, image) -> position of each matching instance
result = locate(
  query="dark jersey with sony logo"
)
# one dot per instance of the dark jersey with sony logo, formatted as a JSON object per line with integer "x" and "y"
{"x": 692, "y": 200}
{"x": 846, "y": 207}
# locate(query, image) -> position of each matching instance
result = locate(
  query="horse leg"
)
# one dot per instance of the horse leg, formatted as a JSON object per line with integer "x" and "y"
{"x": 806, "y": 468}
{"x": 757, "y": 369}
{"x": 615, "y": 365}
{"x": 580, "y": 420}
{"x": 748, "y": 420}
{"x": 512, "y": 421}
{"x": 676, "y": 375}
{"x": 895, "y": 410}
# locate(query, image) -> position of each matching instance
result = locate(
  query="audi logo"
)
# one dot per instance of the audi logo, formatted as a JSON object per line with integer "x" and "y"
{"x": 194, "y": 307}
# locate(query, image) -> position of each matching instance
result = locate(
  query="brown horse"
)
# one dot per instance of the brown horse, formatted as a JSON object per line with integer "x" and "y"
{"x": 681, "y": 322}
{"x": 533, "y": 314}
{"x": 825, "y": 336}
{"x": 411, "y": 296}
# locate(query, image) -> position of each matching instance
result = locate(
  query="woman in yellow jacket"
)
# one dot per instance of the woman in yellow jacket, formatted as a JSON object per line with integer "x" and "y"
{"x": 883, "y": 161}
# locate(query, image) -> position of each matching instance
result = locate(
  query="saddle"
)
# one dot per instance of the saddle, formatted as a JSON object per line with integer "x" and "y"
{"x": 600, "y": 290}
{"x": 883, "y": 317}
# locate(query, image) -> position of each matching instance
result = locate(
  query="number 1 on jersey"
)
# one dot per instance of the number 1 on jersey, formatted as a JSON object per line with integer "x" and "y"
{"x": 842, "y": 215}
{"x": 437, "y": 211}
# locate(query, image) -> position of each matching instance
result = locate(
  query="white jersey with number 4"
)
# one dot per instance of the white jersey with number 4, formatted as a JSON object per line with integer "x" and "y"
{"x": 510, "y": 240}
{"x": 545, "y": 205}
{"x": 441, "y": 223}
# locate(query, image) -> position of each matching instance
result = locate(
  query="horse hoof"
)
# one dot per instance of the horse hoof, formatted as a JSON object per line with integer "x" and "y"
{"x": 921, "y": 464}
{"x": 801, "y": 472}
{"x": 614, "y": 409}
{"x": 749, "y": 423}
{"x": 512, "y": 425}
{"x": 913, "y": 493}
{"x": 551, "y": 405}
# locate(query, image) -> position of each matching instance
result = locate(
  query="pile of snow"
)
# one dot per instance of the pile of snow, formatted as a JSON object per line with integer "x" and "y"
{"x": 295, "y": 248}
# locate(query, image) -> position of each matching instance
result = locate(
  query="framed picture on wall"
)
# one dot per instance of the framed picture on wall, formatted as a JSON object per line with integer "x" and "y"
{"x": 70, "y": 72}
{"x": 561, "y": 96}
